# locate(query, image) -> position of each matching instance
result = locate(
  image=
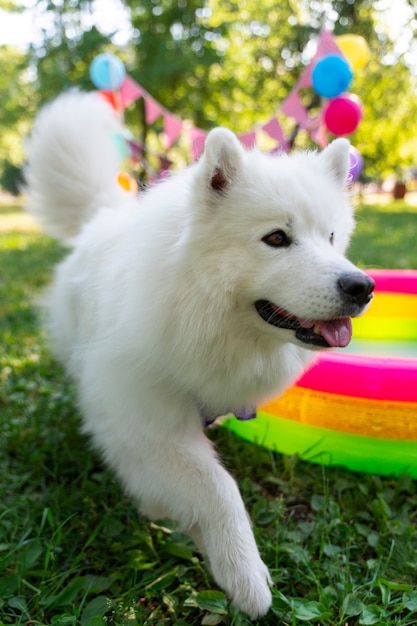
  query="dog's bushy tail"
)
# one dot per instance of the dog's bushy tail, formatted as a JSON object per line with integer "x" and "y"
{"x": 73, "y": 162}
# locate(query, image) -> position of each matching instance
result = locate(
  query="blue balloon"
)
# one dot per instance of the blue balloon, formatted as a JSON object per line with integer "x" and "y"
{"x": 107, "y": 72}
{"x": 331, "y": 76}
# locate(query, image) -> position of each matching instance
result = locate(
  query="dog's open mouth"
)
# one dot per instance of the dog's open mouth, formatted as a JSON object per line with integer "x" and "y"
{"x": 335, "y": 333}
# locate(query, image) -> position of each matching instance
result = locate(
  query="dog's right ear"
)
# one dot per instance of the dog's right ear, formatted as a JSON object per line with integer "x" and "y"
{"x": 222, "y": 159}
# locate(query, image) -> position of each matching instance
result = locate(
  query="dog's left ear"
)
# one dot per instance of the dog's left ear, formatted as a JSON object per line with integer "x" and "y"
{"x": 336, "y": 159}
{"x": 222, "y": 158}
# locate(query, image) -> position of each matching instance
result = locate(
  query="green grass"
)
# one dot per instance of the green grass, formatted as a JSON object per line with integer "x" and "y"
{"x": 342, "y": 547}
{"x": 385, "y": 236}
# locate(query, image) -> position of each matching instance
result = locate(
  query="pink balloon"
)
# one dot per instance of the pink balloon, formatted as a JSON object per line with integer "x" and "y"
{"x": 342, "y": 115}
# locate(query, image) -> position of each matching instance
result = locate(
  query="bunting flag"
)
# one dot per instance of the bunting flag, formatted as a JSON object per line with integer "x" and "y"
{"x": 173, "y": 127}
{"x": 153, "y": 110}
{"x": 198, "y": 137}
{"x": 130, "y": 91}
{"x": 317, "y": 130}
{"x": 274, "y": 129}
{"x": 248, "y": 139}
{"x": 293, "y": 107}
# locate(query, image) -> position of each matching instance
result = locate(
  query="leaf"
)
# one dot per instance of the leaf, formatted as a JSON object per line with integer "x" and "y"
{"x": 180, "y": 550}
{"x": 19, "y": 603}
{"x": 30, "y": 553}
{"x": 331, "y": 550}
{"x": 263, "y": 514}
{"x": 97, "y": 584}
{"x": 170, "y": 601}
{"x": 94, "y": 611}
{"x": 373, "y": 539}
{"x": 351, "y": 606}
{"x": 410, "y": 600}
{"x": 68, "y": 594}
{"x": 318, "y": 502}
{"x": 306, "y": 610}
{"x": 385, "y": 593}
{"x": 210, "y": 619}
{"x": 8, "y": 585}
{"x": 395, "y": 586}
{"x": 212, "y": 601}
{"x": 371, "y": 615}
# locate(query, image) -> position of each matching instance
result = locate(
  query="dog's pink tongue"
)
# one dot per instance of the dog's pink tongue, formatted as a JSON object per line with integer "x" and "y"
{"x": 337, "y": 333}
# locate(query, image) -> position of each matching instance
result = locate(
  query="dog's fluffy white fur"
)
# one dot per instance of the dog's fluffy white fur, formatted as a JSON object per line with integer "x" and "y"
{"x": 153, "y": 312}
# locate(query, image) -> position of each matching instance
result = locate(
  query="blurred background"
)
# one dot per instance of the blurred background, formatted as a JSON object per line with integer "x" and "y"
{"x": 212, "y": 62}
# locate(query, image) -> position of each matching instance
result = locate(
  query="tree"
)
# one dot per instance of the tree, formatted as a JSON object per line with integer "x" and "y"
{"x": 215, "y": 62}
{"x": 62, "y": 60}
{"x": 16, "y": 96}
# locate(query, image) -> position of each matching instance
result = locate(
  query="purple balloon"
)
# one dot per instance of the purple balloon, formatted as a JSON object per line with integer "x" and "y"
{"x": 356, "y": 165}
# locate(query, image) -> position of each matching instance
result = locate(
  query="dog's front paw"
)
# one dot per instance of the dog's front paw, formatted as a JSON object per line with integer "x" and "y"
{"x": 251, "y": 593}
{"x": 247, "y": 585}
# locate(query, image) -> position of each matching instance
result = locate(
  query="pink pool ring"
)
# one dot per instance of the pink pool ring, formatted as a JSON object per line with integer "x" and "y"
{"x": 355, "y": 407}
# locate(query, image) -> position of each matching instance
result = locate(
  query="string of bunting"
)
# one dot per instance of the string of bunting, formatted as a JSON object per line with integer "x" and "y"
{"x": 329, "y": 74}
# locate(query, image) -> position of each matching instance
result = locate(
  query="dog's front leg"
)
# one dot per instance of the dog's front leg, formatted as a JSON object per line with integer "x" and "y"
{"x": 159, "y": 450}
{"x": 191, "y": 486}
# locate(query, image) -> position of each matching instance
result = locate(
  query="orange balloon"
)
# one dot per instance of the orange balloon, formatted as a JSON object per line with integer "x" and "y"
{"x": 127, "y": 181}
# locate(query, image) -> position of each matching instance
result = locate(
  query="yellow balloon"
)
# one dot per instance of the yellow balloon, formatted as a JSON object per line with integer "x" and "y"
{"x": 355, "y": 49}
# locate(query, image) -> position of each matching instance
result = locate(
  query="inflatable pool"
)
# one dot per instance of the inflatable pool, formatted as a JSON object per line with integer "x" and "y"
{"x": 356, "y": 407}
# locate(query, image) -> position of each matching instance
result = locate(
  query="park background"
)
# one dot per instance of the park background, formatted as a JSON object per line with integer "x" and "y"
{"x": 211, "y": 63}
{"x": 341, "y": 546}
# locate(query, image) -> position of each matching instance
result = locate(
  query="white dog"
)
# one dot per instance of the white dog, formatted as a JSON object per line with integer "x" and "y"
{"x": 202, "y": 296}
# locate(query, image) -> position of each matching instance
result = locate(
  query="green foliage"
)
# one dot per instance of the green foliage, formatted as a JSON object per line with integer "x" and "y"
{"x": 341, "y": 546}
{"x": 217, "y": 62}
{"x": 11, "y": 178}
{"x": 16, "y": 104}
{"x": 387, "y": 136}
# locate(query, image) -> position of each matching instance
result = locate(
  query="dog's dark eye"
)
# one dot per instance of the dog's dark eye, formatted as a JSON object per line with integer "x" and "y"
{"x": 277, "y": 239}
{"x": 331, "y": 238}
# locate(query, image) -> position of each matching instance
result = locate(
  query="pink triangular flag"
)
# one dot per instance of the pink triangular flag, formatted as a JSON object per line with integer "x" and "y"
{"x": 273, "y": 129}
{"x": 327, "y": 45}
{"x": 172, "y": 129}
{"x": 198, "y": 137}
{"x": 153, "y": 110}
{"x": 293, "y": 107}
{"x": 318, "y": 132}
{"x": 248, "y": 139}
{"x": 130, "y": 91}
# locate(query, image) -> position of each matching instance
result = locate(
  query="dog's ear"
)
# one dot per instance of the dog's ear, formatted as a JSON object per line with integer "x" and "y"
{"x": 222, "y": 158}
{"x": 336, "y": 159}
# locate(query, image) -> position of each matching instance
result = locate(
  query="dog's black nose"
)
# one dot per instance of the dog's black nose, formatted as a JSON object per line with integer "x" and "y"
{"x": 358, "y": 287}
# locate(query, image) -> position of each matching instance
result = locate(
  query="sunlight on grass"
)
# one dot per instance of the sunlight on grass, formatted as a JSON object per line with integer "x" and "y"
{"x": 18, "y": 222}
{"x": 14, "y": 219}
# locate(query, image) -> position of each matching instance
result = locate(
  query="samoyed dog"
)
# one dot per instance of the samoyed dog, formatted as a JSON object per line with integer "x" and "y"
{"x": 201, "y": 296}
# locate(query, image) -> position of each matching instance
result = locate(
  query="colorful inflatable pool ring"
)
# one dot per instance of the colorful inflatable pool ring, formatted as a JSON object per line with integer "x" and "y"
{"x": 356, "y": 407}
